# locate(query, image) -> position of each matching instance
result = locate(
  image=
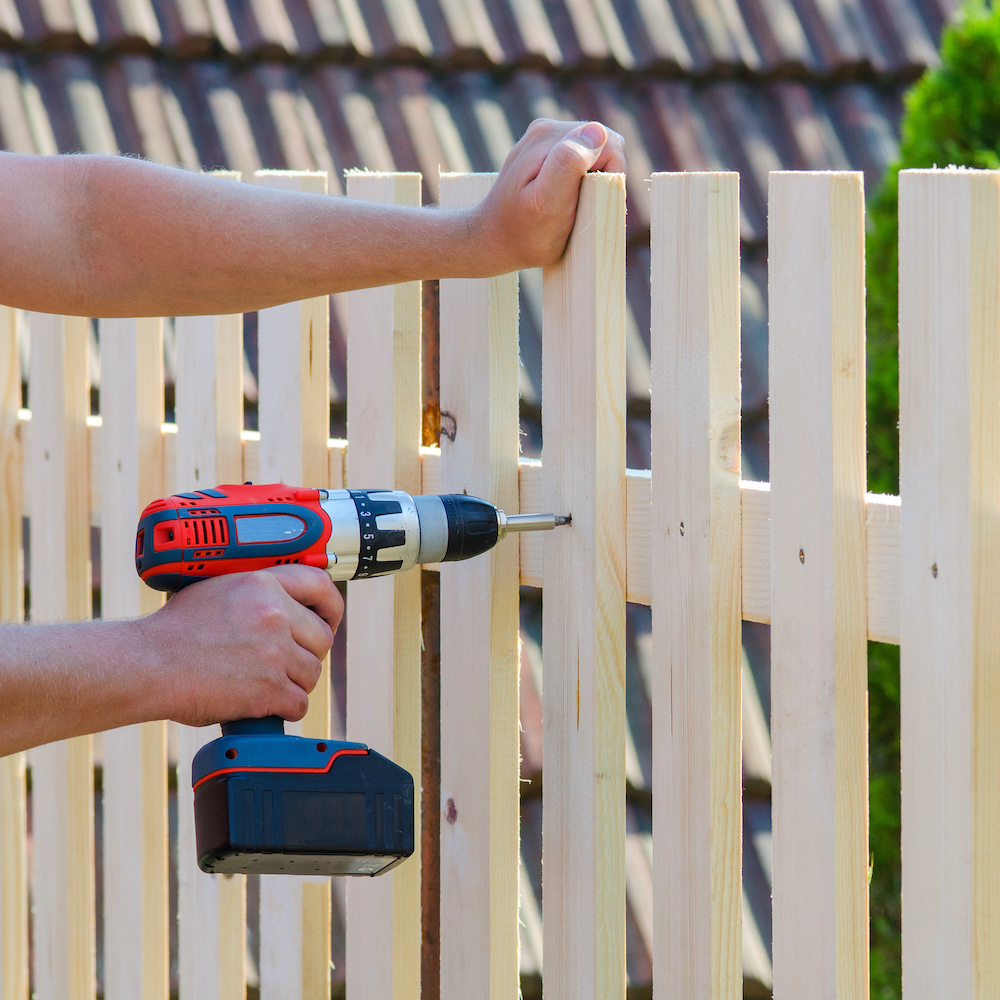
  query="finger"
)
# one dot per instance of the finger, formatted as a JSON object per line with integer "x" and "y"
{"x": 313, "y": 589}
{"x": 569, "y": 159}
{"x": 612, "y": 158}
{"x": 310, "y": 632}
{"x": 304, "y": 670}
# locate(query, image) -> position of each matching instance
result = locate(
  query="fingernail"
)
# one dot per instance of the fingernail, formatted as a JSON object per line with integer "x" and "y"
{"x": 593, "y": 136}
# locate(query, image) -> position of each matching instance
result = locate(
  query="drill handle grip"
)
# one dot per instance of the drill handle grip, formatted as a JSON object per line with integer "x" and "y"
{"x": 270, "y": 725}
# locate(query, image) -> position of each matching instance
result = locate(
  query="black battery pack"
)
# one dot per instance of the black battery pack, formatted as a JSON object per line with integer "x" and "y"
{"x": 316, "y": 808}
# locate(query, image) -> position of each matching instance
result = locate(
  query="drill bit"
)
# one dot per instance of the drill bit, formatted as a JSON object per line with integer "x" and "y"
{"x": 530, "y": 522}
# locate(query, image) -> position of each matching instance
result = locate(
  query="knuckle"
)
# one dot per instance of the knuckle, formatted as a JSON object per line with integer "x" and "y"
{"x": 312, "y": 677}
{"x": 568, "y": 156}
{"x": 541, "y": 127}
{"x": 298, "y": 706}
{"x": 271, "y": 618}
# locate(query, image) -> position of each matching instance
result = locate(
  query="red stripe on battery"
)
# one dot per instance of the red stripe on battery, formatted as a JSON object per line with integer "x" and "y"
{"x": 281, "y": 770}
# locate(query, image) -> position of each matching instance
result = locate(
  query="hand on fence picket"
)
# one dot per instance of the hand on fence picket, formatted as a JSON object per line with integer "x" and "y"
{"x": 246, "y": 645}
{"x": 528, "y": 215}
{"x": 113, "y": 236}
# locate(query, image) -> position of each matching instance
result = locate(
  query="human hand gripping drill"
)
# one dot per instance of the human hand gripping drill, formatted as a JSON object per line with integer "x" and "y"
{"x": 267, "y": 802}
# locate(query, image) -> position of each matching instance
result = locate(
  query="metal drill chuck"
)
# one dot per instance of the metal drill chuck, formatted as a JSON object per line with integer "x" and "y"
{"x": 376, "y": 532}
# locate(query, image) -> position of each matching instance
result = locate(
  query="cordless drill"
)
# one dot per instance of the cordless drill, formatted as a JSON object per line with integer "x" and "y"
{"x": 267, "y": 802}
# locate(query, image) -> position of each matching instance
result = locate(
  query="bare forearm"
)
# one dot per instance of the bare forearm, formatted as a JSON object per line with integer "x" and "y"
{"x": 234, "y": 647}
{"x": 58, "y": 681}
{"x": 109, "y": 236}
{"x": 112, "y": 236}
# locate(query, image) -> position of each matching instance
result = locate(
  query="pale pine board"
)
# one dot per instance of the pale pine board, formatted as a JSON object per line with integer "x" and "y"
{"x": 818, "y": 608}
{"x": 882, "y": 560}
{"x": 13, "y": 797}
{"x": 294, "y": 406}
{"x": 208, "y": 451}
{"x": 949, "y": 366}
{"x": 136, "y": 936}
{"x": 583, "y": 623}
{"x": 479, "y": 642}
{"x": 695, "y": 556}
{"x": 62, "y": 773}
{"x": 384, "y": 415}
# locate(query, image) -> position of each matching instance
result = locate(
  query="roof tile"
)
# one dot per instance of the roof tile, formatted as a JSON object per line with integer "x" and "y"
{"x": 328, "y": 29}
{"x": 263, "y": 29}
{"x": 461, "y": 32}
{"x": 655, "y": 35}
{"x": 779, "y": 35}
{"x": 11, "y": 28}
{"x": 351, "y": 116}
{"x": 186, "y": 28}
{"x": 227, "y": 128}
{"x": 127, "y": 25}
{"x": 15, "y": 127}
{"x": 803, "y": 122}
{"x": 58, "y": 24}
{"x": 397, "y": 29}
{"x": 590, "y": 34}
{"x": 843, "y": 36}
{"x": 524, "y": 31}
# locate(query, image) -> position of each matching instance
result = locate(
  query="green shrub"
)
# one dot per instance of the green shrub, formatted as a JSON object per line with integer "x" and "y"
{"x": 952, "y": 116}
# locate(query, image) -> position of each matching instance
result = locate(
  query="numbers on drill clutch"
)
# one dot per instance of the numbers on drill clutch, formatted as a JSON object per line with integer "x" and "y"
{"x": 373, "y": 538}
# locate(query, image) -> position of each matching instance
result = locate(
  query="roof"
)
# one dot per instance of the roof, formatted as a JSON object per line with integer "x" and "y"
{"x": 747, "y": 85}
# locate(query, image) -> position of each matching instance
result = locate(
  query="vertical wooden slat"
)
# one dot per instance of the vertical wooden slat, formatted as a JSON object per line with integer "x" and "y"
{"x": 383, "y": 617}
{"x": 949, "y": 363}
{"x": 209, "y": 401}
{"x": 583, "y": 608}
{"x": 135, "y": 757}
{"x": 695, "y": 559}
{"x": 818, "y": 607}
{"x": 294, "y": 413}
{"x": 13, "y": 799}
{"x": 62, "y": 773}
{"x": 479, "y": 647}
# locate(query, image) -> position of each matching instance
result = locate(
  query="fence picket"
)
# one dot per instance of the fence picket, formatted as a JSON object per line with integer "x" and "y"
{"x": 294, "y": 412}
{"x": 135, "y": 757}
{"x": 384, "y": 415}
{"x": 583, "y": 611}
{"x": 479, "y": 644}
{"x": 13, "y": 791}
{"x": 949, "y": 366}
{"x": 818, "y": 608}
{"x": 695, "y": 557}
{"x": 62, "y": 773}
{"x": 211, "y": 909}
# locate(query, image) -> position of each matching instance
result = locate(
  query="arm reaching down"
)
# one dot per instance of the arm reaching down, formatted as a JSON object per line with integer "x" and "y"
{"x": 111, "y": 236}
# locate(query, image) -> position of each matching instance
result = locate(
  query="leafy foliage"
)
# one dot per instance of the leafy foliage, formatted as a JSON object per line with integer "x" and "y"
{"x": 952, "y": 116}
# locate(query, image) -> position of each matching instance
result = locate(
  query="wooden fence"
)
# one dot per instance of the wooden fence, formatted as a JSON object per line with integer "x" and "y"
{"x": 827, "y": 565}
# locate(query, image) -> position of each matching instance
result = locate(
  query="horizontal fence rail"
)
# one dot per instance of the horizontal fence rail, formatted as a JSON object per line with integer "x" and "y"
{"x": 825, "y": 563}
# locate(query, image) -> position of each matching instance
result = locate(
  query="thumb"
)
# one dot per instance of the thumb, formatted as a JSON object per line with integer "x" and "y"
{"x": 576, "y": 153}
